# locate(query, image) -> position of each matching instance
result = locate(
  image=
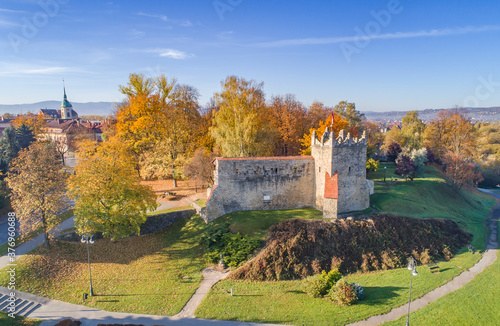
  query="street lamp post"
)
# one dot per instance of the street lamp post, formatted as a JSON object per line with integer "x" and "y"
{"x": 412, "y": 266}
{"x": 89, "y": 239}
{"x": 385, "y": 171}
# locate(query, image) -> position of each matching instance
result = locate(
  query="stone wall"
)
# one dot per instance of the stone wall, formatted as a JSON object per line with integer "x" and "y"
{"x": 260, "y": 183}
{"x": 343, "y": 158}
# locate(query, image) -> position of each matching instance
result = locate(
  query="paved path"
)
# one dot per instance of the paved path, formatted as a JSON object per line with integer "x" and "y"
{"x": 37, "y": 241}
{"x": 52, "y": 311}
{"x": 488, "y": 258}
{"x": 210, "y": 278}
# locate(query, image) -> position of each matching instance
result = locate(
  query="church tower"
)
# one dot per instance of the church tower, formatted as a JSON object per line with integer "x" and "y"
{"x": 66, "y": 108}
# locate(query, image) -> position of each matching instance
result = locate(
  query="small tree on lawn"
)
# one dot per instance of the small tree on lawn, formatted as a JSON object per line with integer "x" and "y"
{"x": 460, "y": 171}
{"x": 405, "y": 167}
{"x": 393, "y": 152}
{"x": 37, "y": 184}
{"x": 107, "y": 191}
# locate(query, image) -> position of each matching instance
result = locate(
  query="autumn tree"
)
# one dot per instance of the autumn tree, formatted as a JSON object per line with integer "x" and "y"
{"x": 317, "y": 111}
{"x": 392, "y": 136}
{"x": 460, "y": 171}
{"x": 241, "y": 127}
{"x": 37, "y": 184}
{"x": 108, "y": 195}
{"x": 450, "y": 132}
{"x": 355, "y": 119}
{"x": 374, "y": 137}
{"x": 412, "y": 130}
{"x": 288, "y": 119}
{"x": 393, "y": 152}
{"x": 35, "y": 122}
{"x": 158, "y": 121}
{"x": 200, "y": 168}
{"x": 338, "y": 125}
{"x": 405, "y": 167}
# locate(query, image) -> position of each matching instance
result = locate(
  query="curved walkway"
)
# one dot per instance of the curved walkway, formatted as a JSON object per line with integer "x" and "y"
{"x": 52, "y": 310}
{"x": 488, "y": 258}
{"x": 210, "y": 278}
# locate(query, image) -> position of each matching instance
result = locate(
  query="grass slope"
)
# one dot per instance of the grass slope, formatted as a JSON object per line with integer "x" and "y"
{"x": 477, "y": 303}
{"x": 432, "y": 197}
{"x": 5, "y": 320}
{"x": 285, "y": 302}
{"x": 151, "y": 274}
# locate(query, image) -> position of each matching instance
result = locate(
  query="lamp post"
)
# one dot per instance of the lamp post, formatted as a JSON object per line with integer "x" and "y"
{"x": 385, "y": 172}
{"x": 412, "y": 266}
{"x": 89, "y": 239}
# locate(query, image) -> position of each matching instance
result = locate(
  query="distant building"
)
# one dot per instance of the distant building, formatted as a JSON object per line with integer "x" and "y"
{"x": 4, "y": 124}
{"x": 66, "y": 112}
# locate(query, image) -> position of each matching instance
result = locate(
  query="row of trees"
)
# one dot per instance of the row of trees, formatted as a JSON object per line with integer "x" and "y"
{"x": 462, "y": 148}
{"x": 169, "y": 133}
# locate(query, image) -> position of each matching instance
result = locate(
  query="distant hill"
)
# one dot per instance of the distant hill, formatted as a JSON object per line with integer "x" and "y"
{"x": 475, "y": 114}
{"x": 90, "y": 108}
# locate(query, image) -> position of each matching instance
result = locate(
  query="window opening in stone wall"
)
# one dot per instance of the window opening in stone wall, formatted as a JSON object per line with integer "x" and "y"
{"x": 349, "y": 169}
{"x": 320, "y": 169}
{"x": 295, "y": 170}
{"x": 276, "y": 170}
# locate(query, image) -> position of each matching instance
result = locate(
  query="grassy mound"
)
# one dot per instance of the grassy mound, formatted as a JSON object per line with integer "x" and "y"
{"x": 298, "y": 248}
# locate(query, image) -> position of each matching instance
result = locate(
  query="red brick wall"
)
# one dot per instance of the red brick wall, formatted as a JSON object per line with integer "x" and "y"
{"x": 331, "y": 186}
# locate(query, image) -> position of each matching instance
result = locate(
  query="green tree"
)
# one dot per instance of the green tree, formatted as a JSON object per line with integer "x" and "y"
{"x": 37, "y": 184}
{"x": 12, "y": 142}
{"x": 412, "y": 130}
{"x": 354, "y": 118}
{"x": 240, "y": 127}
{"x": 107, "y": 191}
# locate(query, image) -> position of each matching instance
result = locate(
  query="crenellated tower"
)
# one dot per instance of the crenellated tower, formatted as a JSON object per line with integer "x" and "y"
{"x": 340, "y": 173}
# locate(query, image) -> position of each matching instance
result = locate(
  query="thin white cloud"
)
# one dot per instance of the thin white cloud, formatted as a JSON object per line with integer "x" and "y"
{"x": 183, "y": 23}
{"x": 44, "y": 71}
{"x": 162, "y": 17}
{"x": 4, "y": 22}
{"x": 386, "y": 36}
{"x": 171, "y": 53}
{"x": 12, "y": 11}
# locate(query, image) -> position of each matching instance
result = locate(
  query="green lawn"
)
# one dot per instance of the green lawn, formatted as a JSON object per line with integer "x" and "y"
{"x": 476, "y": 303}
{"x": 27, "y": 237}
{"x": 431, "y": 197}
{"x": 284, "y": 302}
{"x": 201, "y": 202}
{"x": 256, "y": 223}
{"x": 5, "y": 320}
{"x": 174, "y": 209}
{"x": 151, "y": 274}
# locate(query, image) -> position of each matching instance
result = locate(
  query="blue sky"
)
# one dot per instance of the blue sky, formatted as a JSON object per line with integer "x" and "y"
{"x": 381, "y": 55}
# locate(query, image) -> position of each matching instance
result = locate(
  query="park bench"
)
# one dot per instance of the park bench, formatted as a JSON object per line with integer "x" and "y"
{"x": 433, "y": 267}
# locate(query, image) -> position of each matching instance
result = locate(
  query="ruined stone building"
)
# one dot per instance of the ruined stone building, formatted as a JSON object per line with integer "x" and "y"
{"x": 332, "y": 179}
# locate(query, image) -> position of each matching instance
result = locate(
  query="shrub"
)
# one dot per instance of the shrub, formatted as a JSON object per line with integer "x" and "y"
{"x": 235, "y": 248}
{"x": 319, "y": 284}
{"x": 315, "y": 286}
{"x": 358, "y": 289}
{"x": 342, "y": 294}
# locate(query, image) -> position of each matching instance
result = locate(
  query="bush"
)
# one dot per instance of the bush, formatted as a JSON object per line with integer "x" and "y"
{"x": 235, "y": 248}
{"x": 342, "y": 294}
{"x": 315, "y": 286}
{"x": 319, "y": 284}
{"x": 358, "y": 289}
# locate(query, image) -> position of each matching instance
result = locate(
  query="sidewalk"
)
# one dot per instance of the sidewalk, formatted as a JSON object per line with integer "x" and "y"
{"x": 37, "y": 241}
{"x": 52, "y": 311}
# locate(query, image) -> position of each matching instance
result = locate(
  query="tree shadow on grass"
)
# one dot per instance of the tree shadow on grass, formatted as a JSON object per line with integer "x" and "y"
{"x": 375, "y": 295}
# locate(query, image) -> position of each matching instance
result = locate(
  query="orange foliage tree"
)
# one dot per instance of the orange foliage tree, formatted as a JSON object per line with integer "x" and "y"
{"x": 338, "y": 124}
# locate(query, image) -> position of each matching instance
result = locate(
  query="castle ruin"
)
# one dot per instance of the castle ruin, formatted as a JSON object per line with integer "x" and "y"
{"x": 332, "y": 180}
